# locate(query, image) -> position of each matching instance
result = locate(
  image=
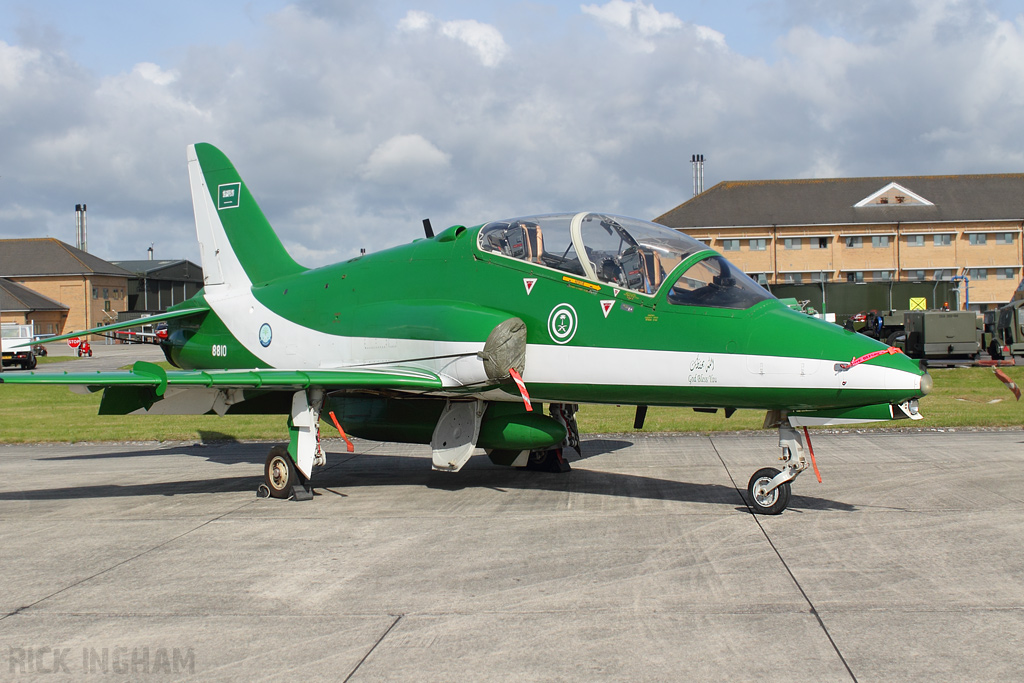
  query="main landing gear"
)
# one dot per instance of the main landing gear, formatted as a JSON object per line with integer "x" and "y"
{"x": 768, "y": 491}
{"x": 285, "y": 476}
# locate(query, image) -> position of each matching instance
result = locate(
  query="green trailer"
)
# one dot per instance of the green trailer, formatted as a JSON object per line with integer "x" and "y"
{"x": 943, "y": 334}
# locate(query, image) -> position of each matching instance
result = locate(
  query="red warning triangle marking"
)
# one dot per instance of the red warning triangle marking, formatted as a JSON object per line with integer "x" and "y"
{"x": 529, "y": 282}
{"x": 606, "y": 306}
{"x": 615, "y": 292}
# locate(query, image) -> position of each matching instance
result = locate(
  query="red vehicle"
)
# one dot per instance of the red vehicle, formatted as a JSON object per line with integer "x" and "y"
{"x": 84, "y": 349}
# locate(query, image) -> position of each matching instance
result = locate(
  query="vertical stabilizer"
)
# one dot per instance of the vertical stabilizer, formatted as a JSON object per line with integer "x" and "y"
{"x": 237, "y": 244}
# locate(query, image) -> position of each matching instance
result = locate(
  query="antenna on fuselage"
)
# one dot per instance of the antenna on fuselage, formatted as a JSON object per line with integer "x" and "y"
{"x": 427, "y": 229}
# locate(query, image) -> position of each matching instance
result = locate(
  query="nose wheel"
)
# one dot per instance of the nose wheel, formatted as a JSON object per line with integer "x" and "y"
{"x": 768, "y": 491}
{"x": 765, "y": 497}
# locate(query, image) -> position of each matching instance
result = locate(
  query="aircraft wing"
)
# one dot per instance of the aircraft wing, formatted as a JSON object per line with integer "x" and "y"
{"x": 145, "y": 374}
{"x": 149, "y": 389}
{"x": 169, "y": 315}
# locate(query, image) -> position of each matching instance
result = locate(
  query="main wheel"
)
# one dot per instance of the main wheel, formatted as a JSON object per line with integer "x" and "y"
{"x": 279, "y": 473}
{"x": 767, "y": 503}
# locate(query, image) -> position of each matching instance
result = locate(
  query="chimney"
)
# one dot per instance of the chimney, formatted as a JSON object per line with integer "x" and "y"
{"x": 150, "y": 250}
{"x": 82, "y": 234}
{"x": 697, "y": 160}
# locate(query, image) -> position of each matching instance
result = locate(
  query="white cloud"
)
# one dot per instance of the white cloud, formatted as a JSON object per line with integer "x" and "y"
{"x": 636, "y": 16}
{"x": 415, "y": 20}
{"x": 154, "y": 74}
{"x": 403, "y": 157}
{"x": 484, "y": 39}
{"x": 636, "y": 23}
{"x": 13, "y": 63}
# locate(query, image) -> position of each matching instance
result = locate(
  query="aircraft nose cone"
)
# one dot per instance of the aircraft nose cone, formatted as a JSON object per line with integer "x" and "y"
{"x": 926, "y": 383}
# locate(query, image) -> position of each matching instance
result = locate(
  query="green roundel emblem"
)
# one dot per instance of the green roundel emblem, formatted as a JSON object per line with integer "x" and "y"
{"x": 265, "y": 335}
{"x": 562, "y": 323}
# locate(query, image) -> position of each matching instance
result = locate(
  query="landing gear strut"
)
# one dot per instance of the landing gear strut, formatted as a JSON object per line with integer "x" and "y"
{"x": 769, "y": 491}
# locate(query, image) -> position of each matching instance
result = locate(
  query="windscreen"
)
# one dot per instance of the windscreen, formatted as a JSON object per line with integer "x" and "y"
{"x": 716, "y": 283}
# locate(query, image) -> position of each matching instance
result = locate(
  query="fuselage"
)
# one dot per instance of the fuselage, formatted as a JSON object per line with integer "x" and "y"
{"x": 432, "y": 304}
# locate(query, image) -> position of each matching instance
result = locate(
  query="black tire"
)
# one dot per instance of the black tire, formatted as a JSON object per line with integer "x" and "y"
{"x": 31, "y": 363}
{"x": 772, "y": 503}
{"x": 279, "y": 473}
{"x": 995, "y": 350}
{"x": 897, "y": 337}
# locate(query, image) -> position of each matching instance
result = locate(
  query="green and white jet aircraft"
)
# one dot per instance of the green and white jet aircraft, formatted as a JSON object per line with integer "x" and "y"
{"x": 447, "y": 340}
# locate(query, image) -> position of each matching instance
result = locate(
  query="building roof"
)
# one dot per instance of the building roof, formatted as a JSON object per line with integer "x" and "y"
{"x": 844, "y": 201}
{"x": 16, "y": 298}
{"x": 148, "y": 267}
{"x": 49, "y": 256}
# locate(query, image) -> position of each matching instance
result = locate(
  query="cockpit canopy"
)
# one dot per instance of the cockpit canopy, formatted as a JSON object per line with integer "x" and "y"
{"x": 623, "y": 252}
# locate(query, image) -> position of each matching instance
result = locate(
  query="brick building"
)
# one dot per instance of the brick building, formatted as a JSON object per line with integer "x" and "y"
{"x": 906, "y": 229}
{"x": 93, "y": 290}
{"x": 22, "y": 306}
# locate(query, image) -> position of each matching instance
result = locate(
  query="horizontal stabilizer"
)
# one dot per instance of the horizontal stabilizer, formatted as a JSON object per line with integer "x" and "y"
{"x": 170, "y": 315}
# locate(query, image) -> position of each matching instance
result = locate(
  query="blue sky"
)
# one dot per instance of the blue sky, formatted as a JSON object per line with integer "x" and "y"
{"x": 352, "y": 121}
{"x": 111, "y": 36}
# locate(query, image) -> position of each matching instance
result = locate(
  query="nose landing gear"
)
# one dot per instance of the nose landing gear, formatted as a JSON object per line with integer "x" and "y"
{"x": 768, "y": 491}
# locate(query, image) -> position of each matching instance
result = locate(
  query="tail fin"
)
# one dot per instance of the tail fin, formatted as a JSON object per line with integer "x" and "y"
{"x": 237, "y": 244}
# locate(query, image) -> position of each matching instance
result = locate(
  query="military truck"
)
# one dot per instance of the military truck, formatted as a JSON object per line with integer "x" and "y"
{"x": 1008, "y": 339}
{"x": 1006, "y": 328}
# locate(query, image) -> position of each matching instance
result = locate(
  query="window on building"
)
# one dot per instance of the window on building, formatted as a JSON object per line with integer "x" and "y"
{"x": 106, "y": 305}
{"x": 854, "y": 242}
{"x": 730, "y": 245}
{"x": 106, "y": 293}
{"x": 915, "y": 240}
{"x": 794, "y": 278}
{"x": 95, "y": 292}
{"x": 1006, "y": 273}
{"x": 942, "y": 274}
{"x": 760, "y": 244}
{"x": 941, "y": 240}
{"x": 880, "y": 241}
{"x": 855, "y": 276}
{"x": 793, "y": 242}
{"x": 883, "y": 275}
{"x": 977, "y": 238}
{"x": 820, "y": 277}
{"x": 762, "y": 278}
{"x": 917, "y": 275}
{"x": 977, "y": 273}
{"x": 1004, "y": 238}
